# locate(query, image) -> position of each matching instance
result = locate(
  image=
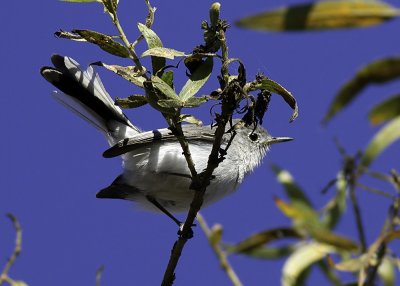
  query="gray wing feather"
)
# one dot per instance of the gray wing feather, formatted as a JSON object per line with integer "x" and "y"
{"x": 192, "y": 133}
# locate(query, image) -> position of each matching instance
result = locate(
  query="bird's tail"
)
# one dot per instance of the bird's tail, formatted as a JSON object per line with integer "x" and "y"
{"x": 83, "y": 93}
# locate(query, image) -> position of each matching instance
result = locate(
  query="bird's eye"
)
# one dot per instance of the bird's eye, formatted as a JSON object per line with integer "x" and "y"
{"x": 253, "y": 136}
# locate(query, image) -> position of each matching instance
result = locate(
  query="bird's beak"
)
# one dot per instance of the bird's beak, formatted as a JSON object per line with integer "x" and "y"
{"x": 274, "y": 140}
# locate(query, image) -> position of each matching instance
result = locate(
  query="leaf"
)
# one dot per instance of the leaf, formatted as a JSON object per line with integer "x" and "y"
{"x": 165, "y": 89}
{"x": 130, "y": 73}
{"x": 110, "y": 6}
{"x": 69, "y": 36}
{"x": 153, "y": 41}
{"x": 105, "y": 42}
{"x": 293, "y": 191}
{"x": 168, "y": 77}
{"x": 163, "y": 53}
{"x": 274, "y": 87}
{"x": 132, "y": 101}
{"x": 195, "y": 101}
{"x": 321, "y": 234}
{"x": 302, "y": 258}
{"x": 169, "y": 103}
{"x": 322, "y": 15}
{"x": 336, "y": 207}
{"x": 377, "y": 72}
{"x": 352, "y": 265}
{"x": 259, "y": 239}
{"x": 387, "y": 272}
{"x": 197, "y": 79}
{"x": 215, "y": 235}
{"x": 386, "y": 136}
{"x": 265, "y": 252}
{"x": 190, "y": 119}
{"x": 385, "y": 111}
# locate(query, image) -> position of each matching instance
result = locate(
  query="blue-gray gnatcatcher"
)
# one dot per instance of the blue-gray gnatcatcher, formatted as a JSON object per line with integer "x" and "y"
{"x": 155, "y": 172}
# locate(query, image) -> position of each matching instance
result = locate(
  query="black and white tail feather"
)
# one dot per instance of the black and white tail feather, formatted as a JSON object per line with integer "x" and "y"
{"x": 83, "y": 93}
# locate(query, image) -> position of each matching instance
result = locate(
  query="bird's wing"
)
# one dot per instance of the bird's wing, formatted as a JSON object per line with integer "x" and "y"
{"x": 144, "y": 139}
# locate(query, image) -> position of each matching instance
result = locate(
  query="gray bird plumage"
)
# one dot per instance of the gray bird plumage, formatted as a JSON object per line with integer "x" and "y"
{"x": 154, "y": 168}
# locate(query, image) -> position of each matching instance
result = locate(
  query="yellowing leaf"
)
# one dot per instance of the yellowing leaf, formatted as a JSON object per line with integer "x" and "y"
{"x": 259, "y": 239}
{"x": 130, "y": 73}
{"x": 322, "y": 15}
{"x": 301, "y": 260}
{"x": 386, "y": 136}
{"x": 385, "y": 111}
{"x": 377, "y": 72}
{"x": 163, "y": 52}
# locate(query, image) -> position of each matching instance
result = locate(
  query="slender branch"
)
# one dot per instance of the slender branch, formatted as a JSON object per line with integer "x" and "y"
{"x": 17, "y": 250}
{"x": 357, "y": 215}
{"x": 221, "y": 255}
{"x": 201, "y": 181}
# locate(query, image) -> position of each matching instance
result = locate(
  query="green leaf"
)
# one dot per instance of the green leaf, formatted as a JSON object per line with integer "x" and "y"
{"x": 386, "y": 136}
{"x": 130, "y": 73}
{"x": 153, "y": 41}
{"x": 190, "y": 119}
{"x": 322, "y": 15}
{"x": 385, "y": 111}
{"x": 69, "y": 36}
{"x": 195, "y": 101}
{"x": 302, "y": 258}
{"x": 265, "y": 252}
{"x": 105, "y": 42}
{"x": 197, "y": 79}
{"x": 163, "y": 53}
{"x": 169, "y": 103}
{"x": 259, "y": 239}
{"x": 274, "y": 87}
{"x": 132, "y": 101}
{"x": 165, "y": 89}
{"x": 110, "y": 6}
{"x": 378, "y": 72}
{"x": 168, "y": 77}
{"x": 336, "y": 207}
{"x": 293, "y": 191}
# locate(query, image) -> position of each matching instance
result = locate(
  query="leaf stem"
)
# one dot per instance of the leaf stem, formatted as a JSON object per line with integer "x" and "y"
{"x": 221, "y": 255}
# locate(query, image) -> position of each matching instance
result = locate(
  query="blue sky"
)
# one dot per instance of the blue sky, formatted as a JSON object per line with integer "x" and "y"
{"x": 51, "y": 163}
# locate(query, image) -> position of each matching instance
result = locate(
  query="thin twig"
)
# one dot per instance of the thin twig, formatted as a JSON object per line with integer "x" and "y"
{"x": 376, "y": 191}
{"x": 17, "y": 249}
{"x": 221, "y": 255}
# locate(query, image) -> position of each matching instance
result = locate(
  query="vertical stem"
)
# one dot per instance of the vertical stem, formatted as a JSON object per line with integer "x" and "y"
{"x": 357, "y": 215}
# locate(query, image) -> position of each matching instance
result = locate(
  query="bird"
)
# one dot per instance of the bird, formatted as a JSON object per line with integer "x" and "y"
{"x": 155, "y": 173}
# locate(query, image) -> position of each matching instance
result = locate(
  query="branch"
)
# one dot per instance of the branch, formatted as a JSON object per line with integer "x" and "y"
{"x": 17, "y": 249}
{"x": 221, "y": 255}
{"x": 201, "y": 181}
